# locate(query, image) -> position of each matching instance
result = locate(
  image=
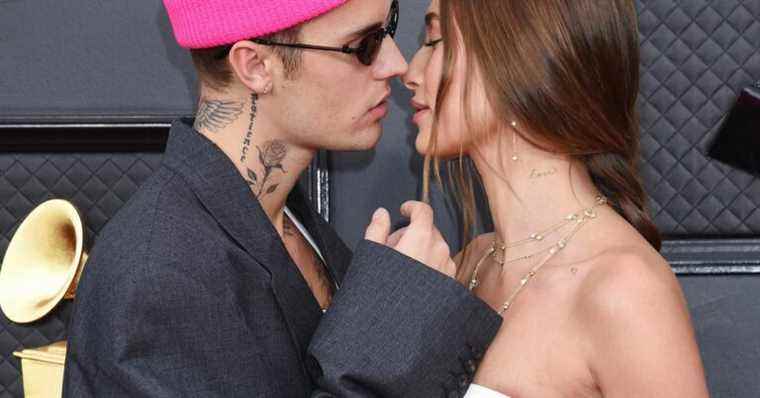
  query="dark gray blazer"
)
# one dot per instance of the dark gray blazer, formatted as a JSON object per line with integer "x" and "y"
{"x": 189, "y": 292}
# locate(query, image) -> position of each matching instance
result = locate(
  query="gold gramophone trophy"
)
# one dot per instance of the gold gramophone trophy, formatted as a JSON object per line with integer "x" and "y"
{"x": 42, "y": 266}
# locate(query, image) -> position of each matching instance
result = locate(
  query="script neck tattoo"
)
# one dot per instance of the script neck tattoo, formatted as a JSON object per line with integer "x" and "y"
{"x": 271, "y": 155}
{"x": 215, "y": 115}
{"x": 536, "y": 174}
{"x": 249, "y": 133}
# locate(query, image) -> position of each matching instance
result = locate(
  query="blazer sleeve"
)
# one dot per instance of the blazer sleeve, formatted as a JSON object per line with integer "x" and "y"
{"x": 398, "y": 328}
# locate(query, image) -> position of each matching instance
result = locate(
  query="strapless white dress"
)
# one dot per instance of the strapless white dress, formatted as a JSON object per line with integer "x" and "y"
{"x": 476, "y": 391}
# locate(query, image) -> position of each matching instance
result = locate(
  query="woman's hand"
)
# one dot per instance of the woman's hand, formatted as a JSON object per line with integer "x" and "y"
{"x": 420, "y": 240}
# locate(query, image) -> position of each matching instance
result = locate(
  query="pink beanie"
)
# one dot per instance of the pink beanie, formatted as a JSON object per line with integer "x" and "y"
{"x": 211, "y": 23}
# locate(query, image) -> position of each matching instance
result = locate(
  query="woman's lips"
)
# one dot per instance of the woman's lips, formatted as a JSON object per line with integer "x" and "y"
{"x": 421, "y": 113}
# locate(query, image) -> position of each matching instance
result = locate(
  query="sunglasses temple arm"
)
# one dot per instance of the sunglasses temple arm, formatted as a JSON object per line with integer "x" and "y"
{"x": 345, "y": 50}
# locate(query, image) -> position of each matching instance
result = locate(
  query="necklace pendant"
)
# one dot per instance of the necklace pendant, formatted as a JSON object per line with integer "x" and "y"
{"x": 473, "y": 284}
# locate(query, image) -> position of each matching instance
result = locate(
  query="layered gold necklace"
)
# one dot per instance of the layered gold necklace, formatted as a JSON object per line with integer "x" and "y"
{"x": 498, "y": 250}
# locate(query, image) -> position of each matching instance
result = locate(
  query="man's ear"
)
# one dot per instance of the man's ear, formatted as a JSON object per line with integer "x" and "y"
{"x": 252, "y": 63}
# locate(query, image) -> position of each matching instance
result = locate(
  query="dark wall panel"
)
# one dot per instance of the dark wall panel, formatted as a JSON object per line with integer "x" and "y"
{"x": 725, "y": 313}
{"x": 72, "y": 58}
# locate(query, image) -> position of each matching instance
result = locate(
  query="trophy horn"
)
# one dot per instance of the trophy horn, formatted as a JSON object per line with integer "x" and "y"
{"x": 43, "y": 263}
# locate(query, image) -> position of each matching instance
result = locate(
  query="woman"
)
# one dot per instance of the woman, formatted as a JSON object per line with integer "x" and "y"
{"x": 540, "y": 96}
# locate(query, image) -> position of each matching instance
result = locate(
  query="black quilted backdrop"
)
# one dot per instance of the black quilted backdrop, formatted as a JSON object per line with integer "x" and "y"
{"x": 696, "y": 55}
{"x": 98, "y": 184}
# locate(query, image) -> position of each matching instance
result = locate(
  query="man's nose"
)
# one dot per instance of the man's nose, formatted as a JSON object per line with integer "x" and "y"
{"x": 390, "y": 62}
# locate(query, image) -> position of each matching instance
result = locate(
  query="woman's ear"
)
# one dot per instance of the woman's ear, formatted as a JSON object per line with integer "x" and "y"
{"x": 251, "y": 64}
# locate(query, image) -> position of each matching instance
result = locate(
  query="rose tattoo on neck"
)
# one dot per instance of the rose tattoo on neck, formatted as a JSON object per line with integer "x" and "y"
{"x": 271, "y": 155}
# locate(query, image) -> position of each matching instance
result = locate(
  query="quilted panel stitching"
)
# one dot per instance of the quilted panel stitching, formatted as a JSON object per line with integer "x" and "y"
{"x": 98, "y": 184}
{"x": 695, "y": 59}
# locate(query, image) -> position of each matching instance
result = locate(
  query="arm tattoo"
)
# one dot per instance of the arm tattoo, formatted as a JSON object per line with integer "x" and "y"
{"x": 271, "y": 157}
{"x": 214, "y": 115}
{"x": 249, "y": 134}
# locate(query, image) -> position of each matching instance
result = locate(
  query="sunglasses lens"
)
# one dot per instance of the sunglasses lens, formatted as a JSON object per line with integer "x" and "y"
{"x": 393, "y": 20}
{"x": 370, "y": 46}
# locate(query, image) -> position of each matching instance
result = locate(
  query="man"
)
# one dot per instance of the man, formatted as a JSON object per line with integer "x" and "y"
{"x": 213, "y": 278}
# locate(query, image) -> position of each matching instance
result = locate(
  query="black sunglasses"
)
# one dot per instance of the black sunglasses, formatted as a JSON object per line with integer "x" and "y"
{"x": 368, "y": 48}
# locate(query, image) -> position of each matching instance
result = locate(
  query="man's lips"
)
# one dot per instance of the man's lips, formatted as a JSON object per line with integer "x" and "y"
{"x": 382, "y": 101}
{"x": 380, "y": 110}
{"x": 379, "y": 105}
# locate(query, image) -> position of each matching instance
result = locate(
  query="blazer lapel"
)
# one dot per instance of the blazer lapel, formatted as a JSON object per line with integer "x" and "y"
{"x": 223, "y": 192}
{"x": 334, "y": 250}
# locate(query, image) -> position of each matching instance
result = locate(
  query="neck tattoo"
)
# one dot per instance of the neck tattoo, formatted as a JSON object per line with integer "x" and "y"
{"x": 215, "y": 115}
{"x": 249, "y": 134}
{"x": 271, "y": 155}
{"x": 536, "y": 174}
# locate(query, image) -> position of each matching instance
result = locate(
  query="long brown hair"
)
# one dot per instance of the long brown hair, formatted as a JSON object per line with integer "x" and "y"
{"x": 568, "y": 72}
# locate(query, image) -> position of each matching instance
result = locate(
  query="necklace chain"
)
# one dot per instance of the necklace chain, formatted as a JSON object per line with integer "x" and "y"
{"x": 580, "y": 219}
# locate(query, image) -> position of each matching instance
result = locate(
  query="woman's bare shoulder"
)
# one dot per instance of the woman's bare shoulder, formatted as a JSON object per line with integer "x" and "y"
{"x": 620, "y": 275}
{"x": 635, "y": 314}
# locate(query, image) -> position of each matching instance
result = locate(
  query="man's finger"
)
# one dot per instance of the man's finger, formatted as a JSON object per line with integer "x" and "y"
{"x": 379, "y": 228}
{"x": 420, "y": 214}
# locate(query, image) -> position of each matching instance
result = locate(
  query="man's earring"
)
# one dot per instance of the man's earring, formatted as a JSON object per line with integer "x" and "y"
{"x": 514, "y": 143}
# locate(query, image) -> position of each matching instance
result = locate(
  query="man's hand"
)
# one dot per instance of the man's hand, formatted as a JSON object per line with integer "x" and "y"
{"x": 420, "y": 240}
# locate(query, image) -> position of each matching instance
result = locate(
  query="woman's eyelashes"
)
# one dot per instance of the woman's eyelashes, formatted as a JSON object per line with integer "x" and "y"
{"x": 432, "y": 43}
